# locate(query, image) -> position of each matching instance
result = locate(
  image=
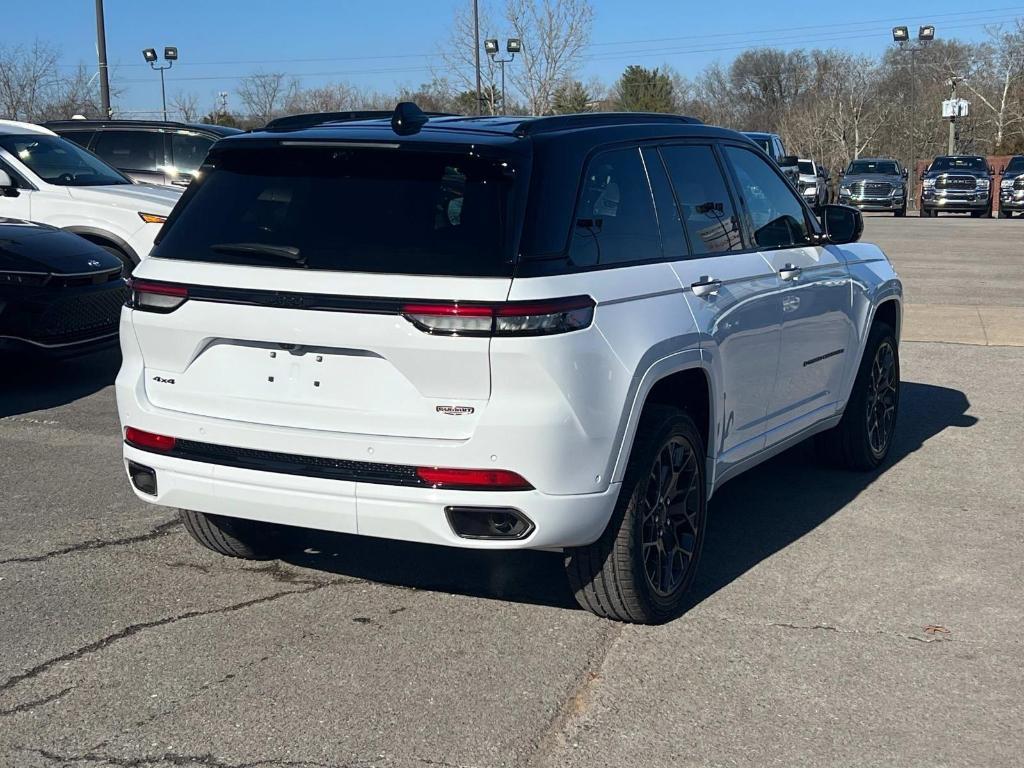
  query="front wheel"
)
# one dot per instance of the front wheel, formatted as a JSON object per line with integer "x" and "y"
{"x": 1004, "y": 214}
{"x": 863, "y": 437}
{"x": 644, "y": 563}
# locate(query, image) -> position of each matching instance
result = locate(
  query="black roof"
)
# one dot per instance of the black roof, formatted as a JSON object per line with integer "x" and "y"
{"x": 218, "y": 130}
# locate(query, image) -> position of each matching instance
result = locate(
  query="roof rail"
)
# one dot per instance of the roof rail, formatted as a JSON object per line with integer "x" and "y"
{"x": 311, "y": 119}
{"x": 535, "y": 125}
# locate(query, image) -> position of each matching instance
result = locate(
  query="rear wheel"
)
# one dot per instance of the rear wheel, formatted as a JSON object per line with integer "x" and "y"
{"x": 863, "y": 438}
{"x": 236, "y": 537}
{"x": 644, "y": 563}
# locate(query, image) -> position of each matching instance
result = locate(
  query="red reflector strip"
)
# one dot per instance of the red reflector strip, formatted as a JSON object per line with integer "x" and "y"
{"x": 162, "y": 289}
{"x": 473, "y": 479}
{"x": 523, "y": 308}
{"x": 149, "y": 440}
{"x": 448, "y": 310}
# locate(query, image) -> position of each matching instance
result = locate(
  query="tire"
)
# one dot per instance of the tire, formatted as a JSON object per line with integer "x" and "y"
{"x": 235, "y": 537}
{"x": 852, "y": 444}
{"x": 126, "y": 260}
{"x": 924, "y": 213}
{"x": 1005, "y": 214}
{"x": 611, "y": 577}
{"x": 900, "y": 213}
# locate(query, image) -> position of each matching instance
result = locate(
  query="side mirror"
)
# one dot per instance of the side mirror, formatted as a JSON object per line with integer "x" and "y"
{"x": 7, "y": 188}
{"x": 905, "y": 173}
{"x": 843, "y": 224}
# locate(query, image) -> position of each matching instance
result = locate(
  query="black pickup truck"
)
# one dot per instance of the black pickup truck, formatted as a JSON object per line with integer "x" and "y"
{"x": 1011, "y": 188}
{"x": 957, "y": 184}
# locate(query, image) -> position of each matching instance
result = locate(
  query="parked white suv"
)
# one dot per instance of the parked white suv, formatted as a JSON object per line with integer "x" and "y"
{"x": 48, "y": 179}
{"x": 561, "y": 333}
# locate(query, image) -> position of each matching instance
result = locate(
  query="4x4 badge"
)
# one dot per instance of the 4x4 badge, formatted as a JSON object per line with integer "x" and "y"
{"x": 162, "y": 380}
{"x": 455, "y": 410}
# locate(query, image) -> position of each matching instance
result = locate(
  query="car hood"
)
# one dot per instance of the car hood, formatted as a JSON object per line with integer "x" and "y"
{"x": 29, "y": 247}
{"x": 149, "y": 198}
{"x": 892, "y": 178}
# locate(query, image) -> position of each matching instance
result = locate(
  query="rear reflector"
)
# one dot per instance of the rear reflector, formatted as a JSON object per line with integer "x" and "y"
{"x": 473, "y": 479}
{"x": 148, "y": 440}
{"x": 157, "y": 297}
{"x": 514, "y": 318}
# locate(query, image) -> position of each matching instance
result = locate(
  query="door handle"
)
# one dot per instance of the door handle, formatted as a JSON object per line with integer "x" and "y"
{"x": 705, "y": 286}
{"x": 790, "y": 272}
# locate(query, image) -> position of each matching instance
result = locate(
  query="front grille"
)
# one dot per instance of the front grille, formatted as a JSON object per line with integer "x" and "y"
{"x": 1019, "y": 183}
{"x": 959, "y": 183}
{"x": 77, "y": 317}
{"x": 295, "y": 464}
{"x": 873, "y": 188}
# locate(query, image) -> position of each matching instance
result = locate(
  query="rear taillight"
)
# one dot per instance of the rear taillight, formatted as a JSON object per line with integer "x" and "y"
{"x": 149, "y": 441}
{"x": 473, "y": 479}
{"x": 514, "y": 318}
{"x": 157, "y": 297}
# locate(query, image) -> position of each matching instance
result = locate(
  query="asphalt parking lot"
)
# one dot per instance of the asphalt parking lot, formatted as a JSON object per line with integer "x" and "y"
{"x": 838, "y": 619}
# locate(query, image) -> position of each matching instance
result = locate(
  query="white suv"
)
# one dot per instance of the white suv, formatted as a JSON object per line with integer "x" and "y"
{"x": 560, "y": 333}
{"x": 48, "y": 179}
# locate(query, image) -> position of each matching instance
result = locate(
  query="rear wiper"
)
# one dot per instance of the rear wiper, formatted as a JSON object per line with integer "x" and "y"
{"x": 289, "y": 252}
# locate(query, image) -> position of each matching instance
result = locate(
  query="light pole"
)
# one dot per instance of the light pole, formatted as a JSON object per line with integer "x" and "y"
{"x": 101, "y": 54}
{"x": 170, "y": 56}
{"x": 901, "y": 36}
{"x": 513, "y": 46}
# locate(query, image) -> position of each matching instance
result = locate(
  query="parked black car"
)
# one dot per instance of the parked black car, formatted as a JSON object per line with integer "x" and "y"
{"x": 59, "y": 293}
{"x": 1011, "y": 188}
{"x": 875, "y": 184}
{"x": 957, "y": 184}
{"x": 146, "y": 150}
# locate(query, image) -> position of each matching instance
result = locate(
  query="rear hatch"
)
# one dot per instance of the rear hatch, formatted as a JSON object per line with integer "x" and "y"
{"x": 289, "y": 286}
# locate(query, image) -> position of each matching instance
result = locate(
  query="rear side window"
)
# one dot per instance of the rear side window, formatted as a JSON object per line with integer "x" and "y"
{"x": 81, "y": 138}
{"x": 615, "y": 220}
{"x": 705, "y": 205}
{"x": 131, "y": 150}
{"x": 348, "y": 209}
{"x": 776, "y": 214}
{"x": 188, "y": 151}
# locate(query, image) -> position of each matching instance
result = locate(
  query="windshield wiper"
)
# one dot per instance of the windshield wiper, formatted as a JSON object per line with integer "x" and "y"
{"x": 289, "y": 252}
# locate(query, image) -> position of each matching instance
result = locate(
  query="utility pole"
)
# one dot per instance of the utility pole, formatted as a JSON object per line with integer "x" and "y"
{"x": 101, "y": 53}
{"x": 951, "y": 149}
{"x": 476, "y": 54}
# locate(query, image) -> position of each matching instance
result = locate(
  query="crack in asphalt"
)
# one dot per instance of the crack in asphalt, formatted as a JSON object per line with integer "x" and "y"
{"x": 163, "y": 529}
{"x": 841, "y": 631}
{"x": 30, "y": 705}
{"x": 174, "y": 758}
{"x": 133, "y": 629}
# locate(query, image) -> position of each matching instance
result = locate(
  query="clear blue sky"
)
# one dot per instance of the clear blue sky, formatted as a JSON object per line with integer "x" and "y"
{"x": 384, "y": 44}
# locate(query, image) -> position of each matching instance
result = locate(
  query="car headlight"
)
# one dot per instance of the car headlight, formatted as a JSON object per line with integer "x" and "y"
{"x": 844, "y": 190}
{"x": 983, "y": 183}
{"x": 928, "y": 183}
{"x": 1006, "y": 184}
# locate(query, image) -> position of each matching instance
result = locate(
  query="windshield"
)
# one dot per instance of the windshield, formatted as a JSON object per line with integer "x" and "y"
{"x": 61, "y": 162}
{"x": 351, "y": 209}
{"x": 883, "y": 167}
{"x": 806, "y": 167}
{"x": 958, "y": 163}
{"x": 763, "y": 143}
{"x": 1016, "y": 164}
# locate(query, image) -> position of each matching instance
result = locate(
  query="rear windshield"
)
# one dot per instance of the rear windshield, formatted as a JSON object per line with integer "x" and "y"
{"x": 348, "y": 209}
{"x": 883, "y": 167}
{"x": 806, "y": 168}
{"x": 954, "y": 163}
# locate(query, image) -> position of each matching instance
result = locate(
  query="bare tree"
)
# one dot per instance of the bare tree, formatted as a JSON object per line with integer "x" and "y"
{"x": 991, "y": 75}
{"x": 554, "y": 34}
{"x": 263, "y": 95}
{"x": 28, "y": 75}
{"x": 187, "y": 104}
{"x": 334, "y": 97}
{"x": 459, "y": 62}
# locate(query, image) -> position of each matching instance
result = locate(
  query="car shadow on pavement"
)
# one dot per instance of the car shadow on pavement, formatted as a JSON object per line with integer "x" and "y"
{"x": 34, "y": 384}
{"x": 751, "y": 518}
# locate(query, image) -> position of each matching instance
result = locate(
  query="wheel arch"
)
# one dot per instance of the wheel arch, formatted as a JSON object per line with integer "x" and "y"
{"x": 681, "y": 380}
{"x": 103, "y": 237}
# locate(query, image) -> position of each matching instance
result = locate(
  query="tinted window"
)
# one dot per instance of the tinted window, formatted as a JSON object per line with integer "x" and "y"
{"x": 81, "y": 138}
{"x": 61, "y": 162}
{"x": 1016, "y": 164}
{"x": 885, "y": 167}
{"x": 673, "y": 241}
{"x": 615, "y": 220}
{"x": 958, "y": 163}
{"x": 131, "y": 150}
{"x": 776, "y": 214}
{"x": 358, "y": 210}
{"x": 704, "y": 202}
{"x": 806, "y": 167}
{"x": 188, "y": 151}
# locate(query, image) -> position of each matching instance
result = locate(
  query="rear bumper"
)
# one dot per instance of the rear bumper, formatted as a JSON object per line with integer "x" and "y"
{"x": 369, "y": 509}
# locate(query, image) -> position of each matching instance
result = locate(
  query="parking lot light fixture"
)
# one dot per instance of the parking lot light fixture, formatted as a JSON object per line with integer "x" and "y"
{"x": 149, "y": 54}
{"x": 170, "y": 56}
{"x": 491, "y": 46}
{"x": 514, "y": 45}
{"x": 900, "y": 34}
{"x": 926, "y": 33}
{"x": 171, "y": 52}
